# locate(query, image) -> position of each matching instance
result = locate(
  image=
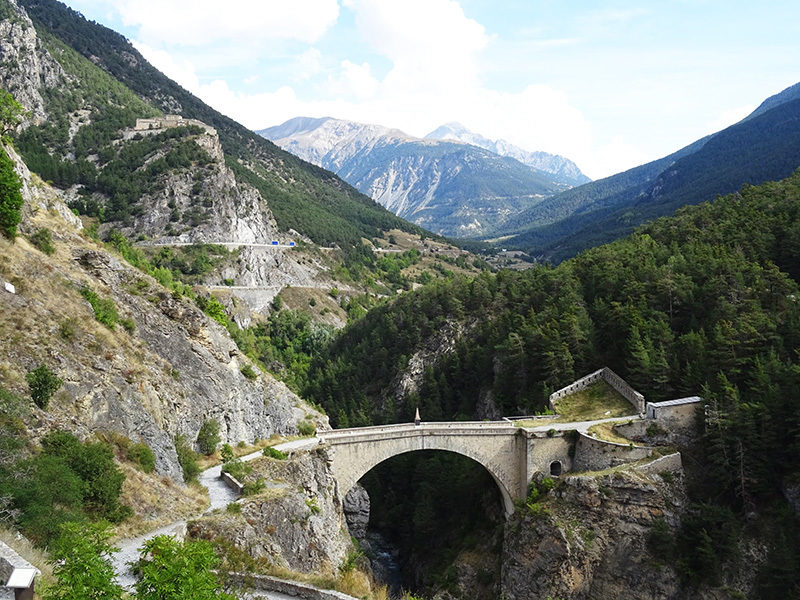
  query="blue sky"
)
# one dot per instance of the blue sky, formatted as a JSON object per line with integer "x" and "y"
{"x": 609, "y": 85}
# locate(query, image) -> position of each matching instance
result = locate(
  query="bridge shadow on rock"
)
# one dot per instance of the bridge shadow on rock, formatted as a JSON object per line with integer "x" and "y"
{"x": 437, "y": 518}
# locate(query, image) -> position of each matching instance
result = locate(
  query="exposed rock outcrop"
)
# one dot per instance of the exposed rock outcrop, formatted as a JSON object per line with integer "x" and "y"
{"x": 297, "y": 521}
{"x": 592, "y": 541}
{"x": 169, "y": 370}
{"x": 356, "y": 511}
{"x": 28, "y": 69}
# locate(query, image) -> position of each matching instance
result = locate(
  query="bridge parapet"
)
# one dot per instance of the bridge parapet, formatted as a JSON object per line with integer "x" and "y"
{"x": 438, "y": 426}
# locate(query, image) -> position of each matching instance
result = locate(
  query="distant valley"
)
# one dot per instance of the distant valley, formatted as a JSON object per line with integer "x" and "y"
{"x": 452, "y": 182}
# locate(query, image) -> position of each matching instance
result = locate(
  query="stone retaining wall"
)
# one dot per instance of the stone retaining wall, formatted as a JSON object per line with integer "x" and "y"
{"x": 670, "y": 462}
{"x": 592, "y": 454}
{"x": 231, "y": 482}
{"x": 290, "y": 588}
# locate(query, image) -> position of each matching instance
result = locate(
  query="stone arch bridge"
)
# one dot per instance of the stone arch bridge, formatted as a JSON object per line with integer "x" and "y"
{"x": 509, "y": 453}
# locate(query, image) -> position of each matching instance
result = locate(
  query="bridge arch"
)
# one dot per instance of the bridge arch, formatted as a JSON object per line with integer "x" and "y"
{"x": 355, "y": 452}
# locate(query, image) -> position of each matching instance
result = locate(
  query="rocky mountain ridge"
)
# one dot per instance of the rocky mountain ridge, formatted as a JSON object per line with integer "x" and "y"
{"x": 564, "y": 169}
{"x": 761, "y": 147}
{"x": 448, "y": 187}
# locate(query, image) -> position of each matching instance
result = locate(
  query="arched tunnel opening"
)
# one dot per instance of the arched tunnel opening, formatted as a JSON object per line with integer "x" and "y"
{"x": 435, "y": 523}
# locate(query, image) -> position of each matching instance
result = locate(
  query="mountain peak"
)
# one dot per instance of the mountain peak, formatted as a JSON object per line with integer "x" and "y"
{"x": 453, "y": 128}
{"x": 564, "y": 169}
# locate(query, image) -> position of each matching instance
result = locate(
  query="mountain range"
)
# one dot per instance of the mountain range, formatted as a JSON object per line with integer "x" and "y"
{"x": 451, "y": 182}
{"x": 763, "y": 146}
{"x": 564, "y": 170}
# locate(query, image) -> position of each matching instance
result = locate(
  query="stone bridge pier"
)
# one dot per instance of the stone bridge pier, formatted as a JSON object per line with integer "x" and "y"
{"x": 511, "y": 455}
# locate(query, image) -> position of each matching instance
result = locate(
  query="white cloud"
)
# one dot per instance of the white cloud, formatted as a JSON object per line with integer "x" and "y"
{"x": 308, "y": 64}
{"x": 204, "y": 22}
{"x": 434, "y": 51}
{"x": 354, "y": 81}
{"x": 181, "y": 71}
{"x": 429, "y": 42}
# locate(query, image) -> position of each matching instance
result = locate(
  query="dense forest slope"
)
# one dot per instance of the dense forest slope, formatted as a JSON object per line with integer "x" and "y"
{"x": 705, "y": 302}
{"x": 762, "y": 147}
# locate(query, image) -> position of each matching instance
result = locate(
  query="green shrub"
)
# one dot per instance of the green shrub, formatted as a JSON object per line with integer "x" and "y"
{"x": 312, "y": 505}
{"x": 273, "y": 453}
{"x": 660, "y": 540}
{"x": 237, "y": 469}
{"x": 142, "y": 455}
{"x": 81, "y": 562}
{"x": 226, "y": 453}
{"x": 208, "y": 437}
{"x": 128, "y": 325}
{"x": 43, "y": 240}
{"x": 66, "y": 329}
{"x": 212, "y": 307}
{"x": 234, "y": 508}
{"x": 94, "y": 463}
{"x": 249, "y": 372}
{"x": 10, "y": 198}
{"x": 43, "y": 383}
{"x": 169, "y": 569}
{"x": 187, "y": 458}
{"x": 104, "y": 309}
{"x": 251, "y": 488}
{"x": 306, "y": 428}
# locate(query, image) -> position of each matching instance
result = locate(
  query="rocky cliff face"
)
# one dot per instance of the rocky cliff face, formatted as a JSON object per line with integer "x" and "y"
{"x": 204, "y": 203}
{"x": 28, "y": 70}
{"x": 168, "y": 371}
{"x": 591, "y": 543}
{"x": 296, "y": 521}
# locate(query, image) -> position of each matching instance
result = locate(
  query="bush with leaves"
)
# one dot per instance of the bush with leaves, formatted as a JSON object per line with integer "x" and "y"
{"x": 171, "y": 570}
{"x": 43, "y": 240}
{"x": 104, "y": 309}
{"x": 43, "y": 383}
{"x": 81, "y": 559}
{"x": 142, "y": 455}
{"x": 226, "y": 453}
{"x": 306, "y": 428}
{"x": 11, "y": 113}
{"x": 271, "y": 452}
{"x": 10, "y": 197}
{"x": 94, "y": 463}
{"x": 187, "y": 458}
{"x": 208, "y": 437}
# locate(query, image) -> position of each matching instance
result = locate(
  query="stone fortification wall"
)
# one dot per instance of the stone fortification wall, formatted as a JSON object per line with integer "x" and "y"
{"x": 670, "y": 462}
{"x": 675, "y": 415}
{"x": 169, "y": 121}
{"x": 290, "y": 588}
{"x": 592, "y": 454}
{"x": 607, "y": 375}
{"x": 544, "y": 450}
{"x": 231, "y": 482}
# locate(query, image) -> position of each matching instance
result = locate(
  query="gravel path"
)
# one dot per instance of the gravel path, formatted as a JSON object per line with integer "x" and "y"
{"x": 219, "y": 495}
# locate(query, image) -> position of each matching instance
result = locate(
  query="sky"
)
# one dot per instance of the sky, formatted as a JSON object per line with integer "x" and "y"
{"x": 610, "y": 85}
